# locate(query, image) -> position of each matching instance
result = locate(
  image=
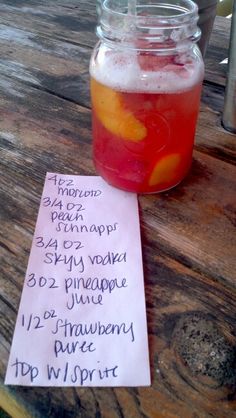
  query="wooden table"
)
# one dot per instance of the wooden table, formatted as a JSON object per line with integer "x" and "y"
{"x": 188, "y": 233}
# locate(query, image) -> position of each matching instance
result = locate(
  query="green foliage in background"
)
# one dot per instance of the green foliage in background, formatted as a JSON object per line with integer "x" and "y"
{"x": 224, "y": 8}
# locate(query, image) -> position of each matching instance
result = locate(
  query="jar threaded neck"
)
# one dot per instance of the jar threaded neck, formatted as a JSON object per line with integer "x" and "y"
{"x": 162, "y": 25}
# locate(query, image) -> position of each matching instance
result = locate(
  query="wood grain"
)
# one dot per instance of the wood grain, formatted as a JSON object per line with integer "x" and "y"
{"x": 73, "y": 21}
{"x": 58, "y": 67}
{"x": 61, "y": 68}
{"x": 176, "y": 291}
{"x": 188, "y": 233}
{"x": 217, "y": 52}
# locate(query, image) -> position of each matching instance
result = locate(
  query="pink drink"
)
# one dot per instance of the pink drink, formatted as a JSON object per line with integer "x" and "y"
{"x": 145, "y": 109}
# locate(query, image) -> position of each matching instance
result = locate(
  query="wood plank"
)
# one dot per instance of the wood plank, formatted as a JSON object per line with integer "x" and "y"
{"x": 191, "y": 221}
{"x": 75, "y": 22}
{"x": 56, "y": 66}
{"x": 177, "y": 299}
{"x": 72, "y": 23}
{"x": 217, "y": 51}
{"x": 36, "y": 140}
{"x": 211, "y": 138}
{"x": 62, "y": 69}
{"x": 187, "y": 234}
{"x": 176, "y": 296}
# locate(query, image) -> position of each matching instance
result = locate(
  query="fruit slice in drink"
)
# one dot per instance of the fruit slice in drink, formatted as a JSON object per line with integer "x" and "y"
{"x": 109, "y": 108}
{"x": 144, "y": 133}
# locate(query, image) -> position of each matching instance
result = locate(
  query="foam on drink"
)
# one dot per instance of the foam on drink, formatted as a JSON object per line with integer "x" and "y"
{"x": 122, "y": 71}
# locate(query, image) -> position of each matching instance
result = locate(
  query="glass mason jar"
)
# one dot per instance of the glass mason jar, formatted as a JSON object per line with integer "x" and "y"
{"x": 146, "y": 77}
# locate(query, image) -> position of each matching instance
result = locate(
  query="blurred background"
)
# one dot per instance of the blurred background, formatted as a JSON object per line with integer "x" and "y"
{"x": 225, "y": 7}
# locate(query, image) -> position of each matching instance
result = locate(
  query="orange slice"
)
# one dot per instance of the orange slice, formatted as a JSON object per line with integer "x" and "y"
{"x": 165, "y": 170}
{"x": 108, "y": 105}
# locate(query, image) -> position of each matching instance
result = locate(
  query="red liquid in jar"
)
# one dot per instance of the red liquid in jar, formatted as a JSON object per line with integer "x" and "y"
{"x": 143, "y": 134}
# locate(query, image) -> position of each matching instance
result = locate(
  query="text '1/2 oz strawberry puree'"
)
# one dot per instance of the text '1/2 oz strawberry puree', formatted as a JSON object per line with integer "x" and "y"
{"x": 146, "y": 77}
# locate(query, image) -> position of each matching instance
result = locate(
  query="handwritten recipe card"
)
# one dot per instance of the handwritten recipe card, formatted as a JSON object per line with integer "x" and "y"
{"x": 82, "y": 316}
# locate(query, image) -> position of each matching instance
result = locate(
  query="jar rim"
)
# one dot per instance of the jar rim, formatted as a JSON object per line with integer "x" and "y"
{"x": 152, "y": 21}
{"x": 183, "y": 9}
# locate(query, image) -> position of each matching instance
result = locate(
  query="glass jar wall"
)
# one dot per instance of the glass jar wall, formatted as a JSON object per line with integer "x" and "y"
{"x": 146, "y": 76}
